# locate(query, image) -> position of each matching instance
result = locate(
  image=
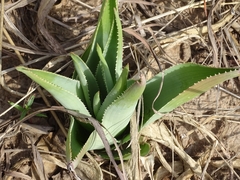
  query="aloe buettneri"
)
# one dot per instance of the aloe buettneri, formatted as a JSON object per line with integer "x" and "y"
{"x": 100, "y": 89}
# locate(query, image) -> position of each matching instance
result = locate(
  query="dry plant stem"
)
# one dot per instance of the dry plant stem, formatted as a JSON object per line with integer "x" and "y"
{"x": 93, "y": 160}
{"x": 208, "y": 160}
{"x": 82, "y": 118}
{"x": 84, "y": 4}
{"x": 226, "y": 161}
{"x": 161, "y": 50}
{"x": 78, "y": 52}
{"x": 211, "y": 34}
{"x": 25, "y": 96}
{"x": 18, "y": 33}
{"x": 99, "y": 129}
{"x": 169, "y": 22}
{"x": 38, "y": 88}
{"x": 25, "y": 64}
{"x": 134, "y": 162}
{"x": 109, "y": 173}
{"x": 164, "y": 136}
{"x": 163, "y": 160}
{"x": 10, "y": 174}
{"x": 21, "y": 60}
{"x": 160, "y": 69}
{"x": 37, "y": 159}
{"x": 193, "y": 5}
{"x": 233, "y": 42}
{"x": 144, "y": 41}
{"x": 138, "y": 1}
{"x": 43, "y": 11}
{"x": 139, "y": 23}
{"x": 171, "y": 37}
{"x": 25, "y": 50}
{"x": 1, "y": 38}
{"x": 203, "y": 130}
{"x": 228, "y": 92}
{"x": 18, "y": 4}
{"x": 12, "y": 43}
{"x": 59, "y": 23}
{"x": 230, "y": 49}
{"x": 195, "y": 31}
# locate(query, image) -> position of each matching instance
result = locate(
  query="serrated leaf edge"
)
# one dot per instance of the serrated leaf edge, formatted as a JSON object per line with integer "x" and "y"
{"x": 161, "y": 113}
{"x": 200, "y": 81}
{"x": 120, "y": 96}
{"x": 60, "y": 88}
{"x": 118, "y": 65}
{"x": 104, "y": 105}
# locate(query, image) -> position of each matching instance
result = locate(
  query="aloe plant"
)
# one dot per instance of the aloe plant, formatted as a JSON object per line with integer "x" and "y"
{"x": 100, "y": 87}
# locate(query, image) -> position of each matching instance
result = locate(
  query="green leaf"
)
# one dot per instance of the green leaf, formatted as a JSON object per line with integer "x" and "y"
{"x": 41, "y": 115}
{"x": 24, "y": 113}
{"x": 119, "y": 53}
{"x": 30, "y": 101}
{"x": 101, "y": 34}
{"x": 106, "y": 74}
{"x": 118, "y": 114}
{"x": 96, "y": 103}
{"x": 64, "y": 90}
{"x": 101, "y": 83}
{"x": 18, "y": 107}
{"x": 87, "y": 80}
{"x": 114, "y": 48}
{"x": 109, "y": 51}
{"x": 68, "y": 84}
{"x": 118, "y": 88}
{"x": 127, "y": 153}
{"x": 75, "y": 140}
{"x": 181, "y": 84}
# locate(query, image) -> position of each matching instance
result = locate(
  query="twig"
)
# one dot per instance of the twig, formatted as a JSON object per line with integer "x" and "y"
{"x": 43, "y": 11}
{"x": 211, "y": 35}
{"x": 29, "y": 51}
{"x": 20, "y": 100}
{"x": 208, "y": 160}
{"x": 84, "y": 4}
{"x": 12, "y": 43}
{"x": 18, "y": 33}
{"x": 81, "y": 117}
{"x": 193, "y": 5}
{"x": 1, "y": 38}
{"x": 21, "y": 60}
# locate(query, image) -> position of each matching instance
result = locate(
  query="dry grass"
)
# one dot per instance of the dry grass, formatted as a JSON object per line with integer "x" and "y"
{"x": 199, "y": 140}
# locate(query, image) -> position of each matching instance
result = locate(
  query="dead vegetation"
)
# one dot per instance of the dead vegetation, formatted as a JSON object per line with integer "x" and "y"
{"x": 199, "y": 140}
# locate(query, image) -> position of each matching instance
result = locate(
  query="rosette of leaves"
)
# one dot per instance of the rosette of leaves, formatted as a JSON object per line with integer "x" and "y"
{"x": 100, "y": 87}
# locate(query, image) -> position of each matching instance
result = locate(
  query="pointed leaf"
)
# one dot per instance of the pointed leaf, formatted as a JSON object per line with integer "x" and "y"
{"x": 109, "y": 51}
{"x": 181, "y": 84}
{"x": 107, "y": 77}
{"x": 101, "y": 34}
{"x": 18, "y": 107}
{"x": 63, "y": 89}
{"x": 118, "y": 66}
{"x": 116, "y": 91}
{"x": 114, "y": 48}
{"x": 68, "y": 84}
{"x": 87, "y": 80}
{"x": 101, "y": 83}
{"x": 75, "y": 141}
{"x": 118, "y": 114}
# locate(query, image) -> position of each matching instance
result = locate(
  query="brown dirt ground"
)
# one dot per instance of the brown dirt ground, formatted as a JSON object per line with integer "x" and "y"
{"x": 27, "y": 153}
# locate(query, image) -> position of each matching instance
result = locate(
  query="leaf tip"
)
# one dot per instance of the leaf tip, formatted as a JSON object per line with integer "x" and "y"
{"x": 20, "y": 68}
